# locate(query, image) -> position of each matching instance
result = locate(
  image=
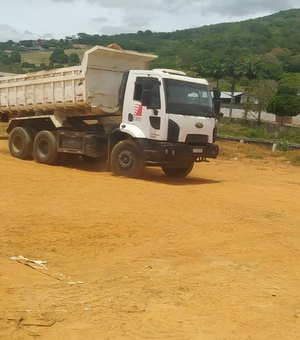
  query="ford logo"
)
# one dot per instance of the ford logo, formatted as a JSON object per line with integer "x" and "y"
{"x": 199, "y": 125}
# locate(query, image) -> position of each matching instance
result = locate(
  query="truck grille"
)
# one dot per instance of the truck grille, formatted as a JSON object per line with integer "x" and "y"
{"x": 196, "y": 139}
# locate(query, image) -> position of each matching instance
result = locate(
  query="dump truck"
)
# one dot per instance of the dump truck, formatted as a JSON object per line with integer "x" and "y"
{"x": 112, "y": 107}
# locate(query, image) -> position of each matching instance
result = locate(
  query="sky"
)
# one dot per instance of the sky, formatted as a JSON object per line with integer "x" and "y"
{"x": 34, "y": 19}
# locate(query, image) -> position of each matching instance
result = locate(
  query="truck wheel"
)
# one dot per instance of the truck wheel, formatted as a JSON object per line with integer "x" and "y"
{"x": 178, "y": 172}
{"x": 20, "y": 143}
{"x": 45, "y": 148}
{"x": 127, "y": 159}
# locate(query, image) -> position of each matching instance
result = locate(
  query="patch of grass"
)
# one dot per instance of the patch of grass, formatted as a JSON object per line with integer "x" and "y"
{"x": 79, "y": 51}
{"x": 226, "y": 153}
{"x": 36, "y": 57}
{"x": 238, "y": 130}
{"x": 255, "y": 155}
{"x": 291, "y": 135}
{"x": 295, "y": 159}
{"x": 233, "y": 150}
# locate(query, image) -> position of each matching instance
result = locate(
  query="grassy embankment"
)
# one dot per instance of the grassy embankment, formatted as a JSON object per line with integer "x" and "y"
{"x": 281, "y": 134}
{"x": 235, "y": 151}
{"x": 38, "y": 57}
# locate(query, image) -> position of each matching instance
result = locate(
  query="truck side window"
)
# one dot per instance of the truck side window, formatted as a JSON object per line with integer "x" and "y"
{"x": 138, "y": 91}
{"x": 147, "y": 83}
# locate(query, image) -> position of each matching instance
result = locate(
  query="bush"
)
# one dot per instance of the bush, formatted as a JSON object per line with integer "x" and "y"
{"x": 73, "y": 59}
{"x": 25, "y": 64}
{"x": 283, "y": 146}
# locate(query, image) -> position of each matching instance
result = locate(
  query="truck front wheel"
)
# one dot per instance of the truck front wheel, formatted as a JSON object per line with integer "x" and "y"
{"x": 45, "y": 147}
{"x": 178, "y": 172}
{"x": 127, "y": 159}
{"x": 20, "y": 143}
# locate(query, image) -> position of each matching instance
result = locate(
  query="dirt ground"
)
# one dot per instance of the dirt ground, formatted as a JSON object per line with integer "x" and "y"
{"x": 214, "y": 256}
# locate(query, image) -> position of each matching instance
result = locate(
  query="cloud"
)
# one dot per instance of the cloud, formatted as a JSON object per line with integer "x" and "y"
{"x": 133, "y": 15}
{"x": 123, "y": 22}
{"x": 121, "y": 4}
{"x": 68, "y": 17}
{"x": 235, "y": 8}
{"x": 225, "y": 7}
{"x": 8, "y": 32}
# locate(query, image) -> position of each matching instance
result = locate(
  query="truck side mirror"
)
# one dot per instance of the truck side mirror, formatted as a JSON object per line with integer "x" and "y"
{"x": 217, "y": 106}
{"x": 217, "y": 101}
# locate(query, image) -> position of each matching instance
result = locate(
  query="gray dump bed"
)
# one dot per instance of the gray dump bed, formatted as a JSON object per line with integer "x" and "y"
{"x": 92, "y": 87}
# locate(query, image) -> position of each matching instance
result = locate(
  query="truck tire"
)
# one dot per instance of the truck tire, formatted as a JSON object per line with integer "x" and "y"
{"x": 178, "y": 172}
{"x": 20, "y": 143}
{"x": 127, "y": 159}
{"x": 45, "y": 147}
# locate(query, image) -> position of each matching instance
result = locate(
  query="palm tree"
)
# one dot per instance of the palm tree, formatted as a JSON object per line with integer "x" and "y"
{"x": 213, "y": 69}
{"x": 235, "y": 70}
{"x": 252, "y": 71}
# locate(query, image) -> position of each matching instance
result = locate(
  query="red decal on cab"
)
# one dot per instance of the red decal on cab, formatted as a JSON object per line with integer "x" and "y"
{"x": 138, "y": 109}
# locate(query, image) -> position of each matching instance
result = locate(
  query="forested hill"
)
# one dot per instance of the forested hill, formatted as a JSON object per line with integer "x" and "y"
{"x": 275, "y": 37}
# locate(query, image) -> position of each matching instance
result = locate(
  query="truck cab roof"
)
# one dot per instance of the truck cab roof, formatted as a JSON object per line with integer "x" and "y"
{"x": 172, "y": 74}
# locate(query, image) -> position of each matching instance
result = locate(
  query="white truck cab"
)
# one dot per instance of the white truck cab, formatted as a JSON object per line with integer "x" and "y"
{"x": 171, "y": 117}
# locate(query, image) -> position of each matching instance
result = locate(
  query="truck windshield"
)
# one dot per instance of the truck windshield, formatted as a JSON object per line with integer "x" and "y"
{"x": 186, "y": 98}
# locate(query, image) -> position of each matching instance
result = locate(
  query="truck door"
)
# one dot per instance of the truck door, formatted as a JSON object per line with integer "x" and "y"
{"x": 145, "y": 107}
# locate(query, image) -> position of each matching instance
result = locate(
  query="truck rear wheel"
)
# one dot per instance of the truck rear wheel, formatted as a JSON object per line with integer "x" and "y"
{"x": 127, "y": 159}
{"x": 45, "y": 147}
{"x": 178, "y": 172}
{"x": 20, "y": 143}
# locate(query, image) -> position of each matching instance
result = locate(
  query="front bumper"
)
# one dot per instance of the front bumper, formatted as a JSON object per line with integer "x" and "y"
{"x": 177, "y": 153}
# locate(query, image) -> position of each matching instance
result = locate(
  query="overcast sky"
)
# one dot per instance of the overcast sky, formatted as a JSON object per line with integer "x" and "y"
{"x": 31, "y": 19}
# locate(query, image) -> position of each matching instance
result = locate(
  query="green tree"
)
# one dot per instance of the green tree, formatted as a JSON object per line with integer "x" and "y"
{"x": 25, "y": 64}
{"x": 211, "y": 69}
{"x": 271, "y": 67}
{"x": 252, "y": 71}
{"x": 43, "y": 66}
{"x": 286, "y": 101}
{"x": 234, "y": 70}
{"x": 4, "y": 58}
{"x": 285, "y": 105}
{"x": 260, "y": 94}
{"x": 73, "y": 59}
{"x": 58, "y": 56}
{"x": 292, "y": 81}
{"x": 15, "y": 57}
{"x": 26, "y": 43}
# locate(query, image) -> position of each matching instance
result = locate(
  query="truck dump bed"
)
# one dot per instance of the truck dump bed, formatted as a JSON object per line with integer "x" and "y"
{"x": 92, "y": 87}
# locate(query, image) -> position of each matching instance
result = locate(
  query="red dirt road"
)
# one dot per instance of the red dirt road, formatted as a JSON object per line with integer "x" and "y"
{"x": 215, "y": 256}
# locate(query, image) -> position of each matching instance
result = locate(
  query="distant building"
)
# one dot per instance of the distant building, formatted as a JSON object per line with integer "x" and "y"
{"x": 238, "y": 111}
{"x": 238, "y": 97}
